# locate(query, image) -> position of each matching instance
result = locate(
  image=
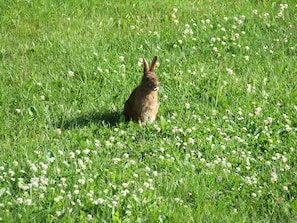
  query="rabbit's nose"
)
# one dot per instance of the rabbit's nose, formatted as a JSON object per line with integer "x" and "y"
{"x": 156, "y": 88}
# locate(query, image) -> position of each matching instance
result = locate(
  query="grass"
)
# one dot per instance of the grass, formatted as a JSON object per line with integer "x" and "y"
{"x": 222, "y": 148}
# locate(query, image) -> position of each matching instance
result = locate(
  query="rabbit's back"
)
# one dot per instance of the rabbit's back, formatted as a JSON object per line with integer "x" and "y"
{"x": 141, "y": 107}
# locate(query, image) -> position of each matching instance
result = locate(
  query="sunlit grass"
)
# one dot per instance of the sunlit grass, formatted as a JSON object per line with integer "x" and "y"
{"x": 222, "y": 148}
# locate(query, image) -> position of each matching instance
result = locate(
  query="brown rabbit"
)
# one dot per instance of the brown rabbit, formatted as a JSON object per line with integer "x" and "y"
{"x": 142, "y": 105}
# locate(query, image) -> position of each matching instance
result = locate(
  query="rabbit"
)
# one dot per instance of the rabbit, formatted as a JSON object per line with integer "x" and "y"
{"x": 142, "y": 106}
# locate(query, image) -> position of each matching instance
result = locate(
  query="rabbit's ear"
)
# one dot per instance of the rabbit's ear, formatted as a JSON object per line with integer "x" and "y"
{"x": 145, "y": 66}
{"x": 153, "y": 64}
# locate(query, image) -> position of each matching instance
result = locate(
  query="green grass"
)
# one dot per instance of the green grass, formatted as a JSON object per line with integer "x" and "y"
{"x": 223, "y": 148}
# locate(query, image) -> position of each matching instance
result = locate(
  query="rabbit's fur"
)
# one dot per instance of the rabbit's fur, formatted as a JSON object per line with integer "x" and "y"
{"x": 142, "y": 105}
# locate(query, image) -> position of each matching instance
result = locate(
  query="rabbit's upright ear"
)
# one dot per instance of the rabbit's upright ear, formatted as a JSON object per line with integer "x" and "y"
{"x": 145, "y": 66}
{"x": 153, "y": 64}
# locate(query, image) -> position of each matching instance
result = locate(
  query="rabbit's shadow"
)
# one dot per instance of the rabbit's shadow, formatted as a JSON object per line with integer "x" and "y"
{"x": 106, "y": 118}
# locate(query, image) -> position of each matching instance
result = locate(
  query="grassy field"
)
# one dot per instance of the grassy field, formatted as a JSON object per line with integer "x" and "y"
{"x": 223, "y": 148}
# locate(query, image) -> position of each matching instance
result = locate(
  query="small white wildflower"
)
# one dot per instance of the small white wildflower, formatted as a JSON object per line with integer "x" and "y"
{"x": 147, "y": 168}
{"x": 19, "y": 200}
{"x": 99, "y": 69}
{"x": 70, "y": 74}
{"x": 86, "y": 151}
{"x": 125, "y": 192}
{"x": 81, "y": 181}
{"x": 58, "y": 198}
{"x": 284, "y": 159}
{"x": 229, "y": 71}
{"x": 191, "y": 141}
{"x": 135, "y": 175}
{"x": 90, "y": 217}
{"x": 126, "y": 155}
{"x": 116, "y": 160}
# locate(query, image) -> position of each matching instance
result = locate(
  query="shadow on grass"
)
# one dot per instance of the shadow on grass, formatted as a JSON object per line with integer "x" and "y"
{"x": 106, "y": 118}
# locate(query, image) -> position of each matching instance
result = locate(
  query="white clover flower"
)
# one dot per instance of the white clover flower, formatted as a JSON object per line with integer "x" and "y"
{"x": 191, "y": 141}
{"x": 175, "y": 22}
{"x": 99, "y": 69}
{"x": 229, "y": 71}
{"x": 125, "y": 192}
{"x": 273, "y": 178}
{"x": 90, "y": 217}
{"x": 177, "y": 199}
{"x": 147, "y": 168}
{"x": 70, "y": 74}
{"x": 100, "y": 201}
{"x": 135, "y": 175}
{"x": 19, "y": 200}
{"x": 81, "y": 181}
{"x": 116, "y": 160}
{"x": 284, "y": 159}
{"x": 58, "y": 198}
{"x": 108, "y": 144}
{"x": 126, "y": 155}
{"x": 86, "y": 151}
{"x": 132, "y": 162}
{"x": 121, "y": 58}
{"x": 71, "y": 155}
{"x": 283, "y": 6}
{"x": 287, "y": 167}
{"x": 33, "y": 167}
{"x": 258, "y": 111}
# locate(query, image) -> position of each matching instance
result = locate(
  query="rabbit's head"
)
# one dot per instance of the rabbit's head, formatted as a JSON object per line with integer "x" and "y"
{"x": 150, "y": 80}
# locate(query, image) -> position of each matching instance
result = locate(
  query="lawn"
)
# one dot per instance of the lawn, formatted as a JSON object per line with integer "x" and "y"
{"x": 222, "y": 149}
